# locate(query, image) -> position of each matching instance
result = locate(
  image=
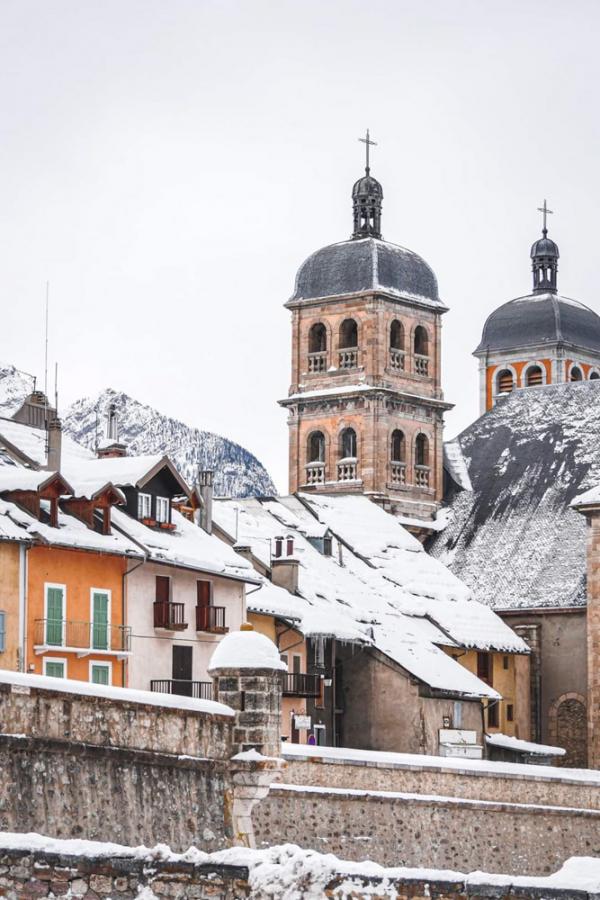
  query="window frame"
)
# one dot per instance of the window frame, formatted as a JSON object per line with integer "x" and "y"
{"x": 55, "y": 659}
{"x": 101, "y": 664}
{"x": 55, "y": 586}
{"x": 166, "y": 503}
{"x": 142, "y": 498}
{"x": 108, "y": 593}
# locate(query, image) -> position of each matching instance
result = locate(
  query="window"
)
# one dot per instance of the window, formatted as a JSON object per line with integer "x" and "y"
{"x": 348, "y": 444}
{"x": 296, "y": 664}
{"x": 594, "y": 375}
{"x": 493, "y": 718}
{"x": 284, "y": 659}
{"x": 576, "y": 374}
{"x": 510, "y": 712}
{"x": 320, "y": 735}
{"x": 162, "y": 509}
{"x": 163, "y": 588}
{"x": 421, "y": 450}
{"x": 316, "y": 447}
{"x": 505, "y": 662}
{"x": 319, "y": 650}
{"x": 100, "y": 673}
{"x": 458, "y": 711}
{"x": 55, "y": 668}
{"x": 484, "y": 667}
{"x": 100, "y": 619}
{"x": 2, "y": 632}
{"x": 535, "y": 376}
{"x": 396, "y": 335}
{"x": 505, "y": 381}
{"x": 327, "y": 547}
{"x": 144, "y": 506}
{"x": 348, "y": 334}
{"x": 204, "y": 593}
{"x": 54, "y": 602}
{"x": 317, "y": 338}
{"x": 421, "y": 341}
{"x": 397, "y": 448}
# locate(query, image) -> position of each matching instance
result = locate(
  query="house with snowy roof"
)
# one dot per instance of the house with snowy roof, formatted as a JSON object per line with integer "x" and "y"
{"x": 509, "y": 528}
{"x": 108, "y": 575}
{"x": 392, "y": 637}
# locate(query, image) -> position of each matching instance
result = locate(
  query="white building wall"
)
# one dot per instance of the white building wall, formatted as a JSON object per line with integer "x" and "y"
{"x": 152, "y": 648}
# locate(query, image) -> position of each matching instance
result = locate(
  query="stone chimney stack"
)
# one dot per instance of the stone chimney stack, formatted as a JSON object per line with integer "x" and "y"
{"x": 284, "y": 565}
{"x": 247, "y": 676}
{"x": 205, "y": 487}
{"x": 54, "y": 444}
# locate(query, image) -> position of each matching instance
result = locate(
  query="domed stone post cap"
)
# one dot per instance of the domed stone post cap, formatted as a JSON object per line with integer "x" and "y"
{"x": 247, "y": 676}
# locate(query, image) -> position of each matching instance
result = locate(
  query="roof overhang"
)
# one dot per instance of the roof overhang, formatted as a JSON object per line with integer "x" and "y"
{"x": 409, "y": 299}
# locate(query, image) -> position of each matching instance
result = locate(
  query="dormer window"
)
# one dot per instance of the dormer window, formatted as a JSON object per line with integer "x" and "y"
{"x": 162, "y": 509}
{"x": 144, "y": 506}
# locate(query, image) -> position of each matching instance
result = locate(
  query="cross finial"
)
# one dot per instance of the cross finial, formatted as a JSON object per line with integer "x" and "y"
{"x": 544, "y": 209}
{"x": 369, "y": 143}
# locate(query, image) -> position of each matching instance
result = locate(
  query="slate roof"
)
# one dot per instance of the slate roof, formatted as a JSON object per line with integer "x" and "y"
{"x": 541, "y": 319}
{"x": 365, "y": 265}
{"x": 513, "y": 539}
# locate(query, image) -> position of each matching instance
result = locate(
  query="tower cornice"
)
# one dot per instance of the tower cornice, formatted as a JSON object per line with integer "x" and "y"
{"x": 411, "y": 300}
{"x": 348, "y": 392}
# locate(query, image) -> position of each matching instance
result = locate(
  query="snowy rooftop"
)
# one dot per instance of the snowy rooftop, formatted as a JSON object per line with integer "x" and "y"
{"x": 31, "y": 443}
{"x": 506, "y": 742}
{"x": 514, "y": 538}
{"x": 401, "y": 600}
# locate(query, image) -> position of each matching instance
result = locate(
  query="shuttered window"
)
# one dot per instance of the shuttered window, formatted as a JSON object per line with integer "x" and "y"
{"x": 204, "y": 593}
{"x": 54, "y": 615}
{"x": 100, "y": 674}
{"x": 100, "y": 620}
{"x": 54, "y": 668}
{"x": 163, "y": 588}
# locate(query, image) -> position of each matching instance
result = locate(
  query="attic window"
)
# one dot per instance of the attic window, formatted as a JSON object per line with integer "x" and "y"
{"x": 327, "y": 546}
{"x": 162, "y": 509}
{"x": 144, "y": 506}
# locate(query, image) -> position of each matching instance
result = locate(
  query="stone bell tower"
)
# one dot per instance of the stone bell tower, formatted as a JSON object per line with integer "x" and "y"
{"x": 365, "y": 403}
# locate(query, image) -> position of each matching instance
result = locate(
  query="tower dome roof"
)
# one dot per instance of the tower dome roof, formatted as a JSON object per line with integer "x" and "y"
{"x": 541, "y": 319}
{"x": 545, "y": 246}
{"x": 368, "y": 264}
{"x": 367, "y": 186}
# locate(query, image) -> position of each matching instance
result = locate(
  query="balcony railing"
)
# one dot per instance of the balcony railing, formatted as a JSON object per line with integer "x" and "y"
{"x": 398, "y": 473}
{"x": 317, "y": 362}
{"x": 82, "y": 635}
{"x": 422, "y": 476}
{"x": 297, "y": 684}
{"x": 397, "y": 359}
{"x": 315, "y": 473}
{"x": 348, "y": 358}
{"x": 346, "y": 471}
{"x": 199, "y": 690}
{"x": 169, "y": 615}
{"x": 211, "y": 618}
{"x": 421, "y": 364}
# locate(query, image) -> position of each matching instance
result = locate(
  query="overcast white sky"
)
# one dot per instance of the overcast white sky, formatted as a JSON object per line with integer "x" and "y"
{"x": 168, "y": 166}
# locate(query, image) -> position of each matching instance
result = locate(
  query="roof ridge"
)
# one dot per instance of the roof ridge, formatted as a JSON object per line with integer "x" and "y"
{"x": 557, "y": 319}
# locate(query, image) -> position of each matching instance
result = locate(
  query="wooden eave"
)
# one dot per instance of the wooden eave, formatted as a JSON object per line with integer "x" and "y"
{"x": 164, "y": 463}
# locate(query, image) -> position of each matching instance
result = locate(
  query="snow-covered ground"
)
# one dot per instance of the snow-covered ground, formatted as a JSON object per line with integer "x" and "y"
{"x": 291, "y": 873}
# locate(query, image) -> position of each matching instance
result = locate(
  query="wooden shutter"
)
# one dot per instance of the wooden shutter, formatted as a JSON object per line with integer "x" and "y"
{"x": 99, "y": 674}
{"x": 204, "y": 593}
{"x": 100, "y": 622}
{"x": 163, "y": 588}
{"x": 54, "y": 616}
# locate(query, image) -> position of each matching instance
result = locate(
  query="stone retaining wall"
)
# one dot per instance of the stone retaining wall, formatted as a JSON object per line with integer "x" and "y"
{"x": 443, "y": 833}
{"x": 526, "y": 784}
{"x": 106, "y": 721}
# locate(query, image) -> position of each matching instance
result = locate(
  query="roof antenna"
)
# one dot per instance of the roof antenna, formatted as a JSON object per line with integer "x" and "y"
{"x": 46, "y": 369}
{"x": 56, "y": 389}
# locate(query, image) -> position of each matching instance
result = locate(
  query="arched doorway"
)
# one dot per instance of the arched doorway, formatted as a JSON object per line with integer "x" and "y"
{"x": 567, "y": 727}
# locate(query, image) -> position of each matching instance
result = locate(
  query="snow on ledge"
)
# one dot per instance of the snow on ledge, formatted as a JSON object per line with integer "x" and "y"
{"x": 246, "y": 650}
{"x": 124, "y": 695}
{"x": 381, "y": 759}
{"x": 506, "y": 742}
{"x": 277, "y": 871}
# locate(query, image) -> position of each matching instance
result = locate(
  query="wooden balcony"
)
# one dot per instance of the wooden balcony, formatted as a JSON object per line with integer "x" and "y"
{"x": 199, "y": 690}
{"x": 211, "y": 619}
{"x": 170, "y": 616}
{"x": 82, "y": 638}
{"x": 299, "y": 684}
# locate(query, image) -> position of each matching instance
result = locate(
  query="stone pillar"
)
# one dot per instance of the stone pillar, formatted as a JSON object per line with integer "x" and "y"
{"x": 247, "y": 676}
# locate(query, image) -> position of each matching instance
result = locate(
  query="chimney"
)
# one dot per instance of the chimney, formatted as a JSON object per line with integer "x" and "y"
{"x": 284, "y": 565}
{"x": 110, "y": 446}
{"x": 205, "y": 487}
{"x": 54, "y": 444}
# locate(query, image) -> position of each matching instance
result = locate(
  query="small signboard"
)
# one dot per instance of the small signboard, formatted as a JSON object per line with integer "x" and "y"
{"x": 302, "y": 722}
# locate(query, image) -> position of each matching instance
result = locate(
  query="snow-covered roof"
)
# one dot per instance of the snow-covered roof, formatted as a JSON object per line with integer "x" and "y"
{"x": 124, "y": 471}
{"x": 188, "y": 547}
{"x": 246, "y": 650}
{"x": 31, "y": 443}
{"x": 18, "y": 478}
{"x": 506, "y": 742}
{"x": 347, "y": 597}
{"x": 514, "y": 539}
{"x": 124, "y": 695}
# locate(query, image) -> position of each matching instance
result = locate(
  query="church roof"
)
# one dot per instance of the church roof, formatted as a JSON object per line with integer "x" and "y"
{"x": 538, "y": 319}
{"x": 513, "y": 538}
{"x": 366, "y": 264}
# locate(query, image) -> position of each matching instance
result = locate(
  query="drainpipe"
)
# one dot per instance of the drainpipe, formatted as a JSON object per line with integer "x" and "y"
{"x": 21, "y": 653}
{"x": 124, "y": 610}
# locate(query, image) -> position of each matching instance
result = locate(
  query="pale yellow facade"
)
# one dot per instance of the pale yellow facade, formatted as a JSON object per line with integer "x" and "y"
{"x": 10, "y": 567}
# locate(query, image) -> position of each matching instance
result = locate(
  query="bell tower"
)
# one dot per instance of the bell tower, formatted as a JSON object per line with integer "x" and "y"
{"x": 365, "y": 402}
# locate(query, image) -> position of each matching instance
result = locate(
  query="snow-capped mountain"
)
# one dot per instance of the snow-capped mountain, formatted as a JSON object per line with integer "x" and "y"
{"x": 146, "y": 431}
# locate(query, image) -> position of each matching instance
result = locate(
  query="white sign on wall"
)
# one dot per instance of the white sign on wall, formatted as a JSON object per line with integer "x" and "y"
{"x": 302, "y": 722}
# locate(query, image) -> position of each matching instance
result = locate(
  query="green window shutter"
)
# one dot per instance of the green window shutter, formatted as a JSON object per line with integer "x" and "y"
{"x": 54, "y": 617}
{"x": 100, "y": 623}
{"x": 55, "y": 669}
{"x": 99, "y": 674}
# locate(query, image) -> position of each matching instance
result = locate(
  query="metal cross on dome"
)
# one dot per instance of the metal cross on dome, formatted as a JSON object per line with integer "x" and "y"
{"x": 370, "y": 143}
{"x": 544, "y": 209}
